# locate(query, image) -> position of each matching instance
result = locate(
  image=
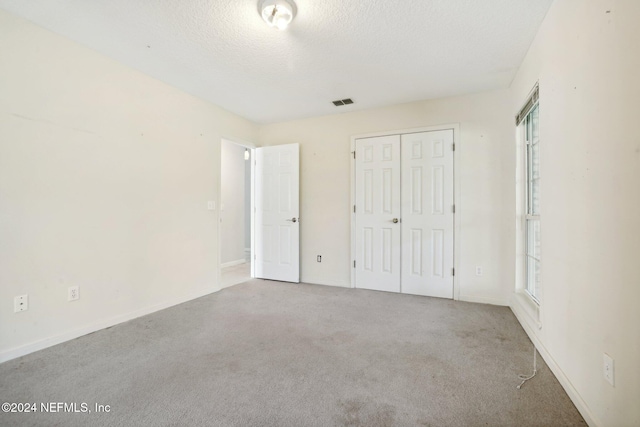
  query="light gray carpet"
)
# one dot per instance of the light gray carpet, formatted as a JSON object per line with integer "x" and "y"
{"x": 276, "y": 354}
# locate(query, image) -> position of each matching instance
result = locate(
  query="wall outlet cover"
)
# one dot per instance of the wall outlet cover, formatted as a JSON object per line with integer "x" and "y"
{"x": 21, "y": 303}
{"x": 73, "y": 293}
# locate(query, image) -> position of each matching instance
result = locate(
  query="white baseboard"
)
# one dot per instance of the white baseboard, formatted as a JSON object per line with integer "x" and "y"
{"x": 484, "y": 300}
{"x": 575, "y": 397}
{"x": 232, "y": 263}
{"x": 318, "y": 281}
{"x": 101, "y": 324}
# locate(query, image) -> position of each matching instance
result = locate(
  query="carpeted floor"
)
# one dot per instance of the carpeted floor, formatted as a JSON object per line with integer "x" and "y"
{"x": 276, "y": 354}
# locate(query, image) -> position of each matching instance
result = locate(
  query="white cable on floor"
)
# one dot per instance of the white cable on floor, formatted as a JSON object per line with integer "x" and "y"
{"x": 525, "y": 378}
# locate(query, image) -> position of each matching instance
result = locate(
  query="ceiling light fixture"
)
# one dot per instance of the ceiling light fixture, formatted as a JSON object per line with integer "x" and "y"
{"x": 277, "y": 13}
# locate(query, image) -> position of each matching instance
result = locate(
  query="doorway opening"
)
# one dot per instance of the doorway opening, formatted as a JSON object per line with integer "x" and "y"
{"x": 235, "y": 227}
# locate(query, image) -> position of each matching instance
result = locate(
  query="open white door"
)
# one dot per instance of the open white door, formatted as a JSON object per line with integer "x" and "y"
{"x": 277, "y": 222}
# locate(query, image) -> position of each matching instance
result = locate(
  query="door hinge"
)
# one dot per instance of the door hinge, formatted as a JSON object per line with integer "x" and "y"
{"x": 354, "y": 154}
{"x": 453, "y": 271}
{"x": 453, "y": 208}
{"x": 354, "y": 264}
{"x": 354, "y": 208}
{"x": 454, "y": 147}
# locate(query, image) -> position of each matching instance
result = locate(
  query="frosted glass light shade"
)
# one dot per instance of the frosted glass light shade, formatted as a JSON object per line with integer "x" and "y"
{"x": 277, "y": 13}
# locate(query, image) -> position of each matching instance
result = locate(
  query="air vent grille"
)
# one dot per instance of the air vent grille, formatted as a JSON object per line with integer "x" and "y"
{"x": 340, "y": 102}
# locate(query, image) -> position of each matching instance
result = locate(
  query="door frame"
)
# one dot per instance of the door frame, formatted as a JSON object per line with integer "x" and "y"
{"x": 456, "y": 194}
{"x": 251, "y": 147}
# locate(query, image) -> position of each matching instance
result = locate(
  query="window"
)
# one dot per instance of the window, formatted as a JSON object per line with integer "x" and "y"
{"x": 530, "y": 128}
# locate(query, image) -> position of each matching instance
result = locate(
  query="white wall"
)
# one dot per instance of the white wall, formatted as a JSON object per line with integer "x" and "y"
{"x": 586, "y": 57}
{"x": 485, "y": 127}
{"x": 105, "y": 175}
{"x": 232, "y": 215}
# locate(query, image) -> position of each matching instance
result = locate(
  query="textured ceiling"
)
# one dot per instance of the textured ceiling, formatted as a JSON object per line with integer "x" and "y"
{"x": 373, "y": 51}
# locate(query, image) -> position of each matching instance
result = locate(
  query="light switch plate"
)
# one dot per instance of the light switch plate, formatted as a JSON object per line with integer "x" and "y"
{"x": 608, "y": 368}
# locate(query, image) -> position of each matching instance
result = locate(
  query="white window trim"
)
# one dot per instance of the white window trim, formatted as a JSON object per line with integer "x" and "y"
{"x": 528, "y": 203}
{"x": 523, "y": 301}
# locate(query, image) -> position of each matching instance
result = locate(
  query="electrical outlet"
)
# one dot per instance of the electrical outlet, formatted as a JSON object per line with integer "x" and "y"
{"x": 21, "y": 303}
{"x": 319, "y": 258}
{"x": 73, "y": 293}
{"x": 478, "y": 271}
{"x": 608, "y": 369}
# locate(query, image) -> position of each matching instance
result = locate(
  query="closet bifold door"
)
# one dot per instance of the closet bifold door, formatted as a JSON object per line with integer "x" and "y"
{"x": 427, "y": 213}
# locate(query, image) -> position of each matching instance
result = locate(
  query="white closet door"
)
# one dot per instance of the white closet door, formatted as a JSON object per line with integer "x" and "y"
{"x": 378, "y": 213}
{"x": 427, "y": 213}
{"x": 277, "y": 229}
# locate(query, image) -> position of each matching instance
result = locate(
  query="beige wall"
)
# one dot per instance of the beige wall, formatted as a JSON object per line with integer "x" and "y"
{"x": 485, "y": 127}
{"x": 105, "y": 175}
{"x": 586, "y": 57}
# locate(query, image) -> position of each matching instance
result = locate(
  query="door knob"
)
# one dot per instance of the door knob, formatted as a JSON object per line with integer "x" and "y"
{"x": 293, "y": 220}
{"x": 395, "y": 220}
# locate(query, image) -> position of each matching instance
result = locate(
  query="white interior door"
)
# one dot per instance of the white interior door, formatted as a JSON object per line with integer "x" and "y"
{"x": 277, "y": 228}
{"x": 378, "y": 213}
{"x": 427, "y": 213}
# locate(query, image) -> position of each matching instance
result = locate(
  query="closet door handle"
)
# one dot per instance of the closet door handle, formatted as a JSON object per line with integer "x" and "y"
{"x": 395, "y": 220}
{"x": 293, "y": 220}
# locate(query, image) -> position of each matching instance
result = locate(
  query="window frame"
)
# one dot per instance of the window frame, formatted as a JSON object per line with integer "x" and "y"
{"x": 530, "y": 218}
